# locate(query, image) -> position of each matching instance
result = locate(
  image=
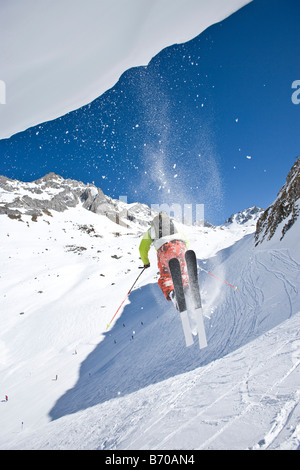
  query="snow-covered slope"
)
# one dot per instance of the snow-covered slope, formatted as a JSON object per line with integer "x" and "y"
{"x": 73, "y": 383}
{"x": 246, "y": 400}
{"x": 60, "y": 55}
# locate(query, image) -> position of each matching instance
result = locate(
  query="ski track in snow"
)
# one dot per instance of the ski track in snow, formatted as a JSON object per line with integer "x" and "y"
{"x": 240, "y": 388}
{"x": 280, "y": 423}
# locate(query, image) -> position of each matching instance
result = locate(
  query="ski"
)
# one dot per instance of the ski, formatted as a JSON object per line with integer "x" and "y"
{"x": 192, "y": 269}
{"x": 175, "y": 271}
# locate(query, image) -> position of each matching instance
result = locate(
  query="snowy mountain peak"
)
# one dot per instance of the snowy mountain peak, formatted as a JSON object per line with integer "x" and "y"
{"x": 283, "y": 213}
{"x": 50, "y": 177}
{"x": 247, "y": 217}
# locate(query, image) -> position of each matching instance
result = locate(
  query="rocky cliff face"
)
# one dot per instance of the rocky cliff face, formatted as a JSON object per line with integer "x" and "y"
{"x": 54, "y": 193}
{"x": 282, "y": 214}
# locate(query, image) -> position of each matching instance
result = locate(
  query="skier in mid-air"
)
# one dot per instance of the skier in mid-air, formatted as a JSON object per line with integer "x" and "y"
{"x": 169, "y": 243}
{"x": 178, "y": 274}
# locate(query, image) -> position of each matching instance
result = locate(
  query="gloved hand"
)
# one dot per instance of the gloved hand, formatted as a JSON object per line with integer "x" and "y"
{"x": 147, "y": 266}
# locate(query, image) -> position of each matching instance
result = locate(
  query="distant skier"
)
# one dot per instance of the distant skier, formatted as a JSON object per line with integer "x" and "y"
{"x": 169, "y": 243}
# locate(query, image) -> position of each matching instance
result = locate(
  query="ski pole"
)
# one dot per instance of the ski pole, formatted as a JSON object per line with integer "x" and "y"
{"x": 128, "y": 293}
{"x": 219, "y": 278}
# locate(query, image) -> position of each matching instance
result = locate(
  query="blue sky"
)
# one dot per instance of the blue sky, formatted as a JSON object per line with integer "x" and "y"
{"x": 207, "y": 122}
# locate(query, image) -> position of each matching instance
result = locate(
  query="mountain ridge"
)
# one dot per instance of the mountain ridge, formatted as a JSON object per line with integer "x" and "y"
{"x": 54, "y": 193}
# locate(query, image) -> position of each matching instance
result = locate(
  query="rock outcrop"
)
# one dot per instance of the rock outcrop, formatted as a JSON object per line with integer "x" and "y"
{"x": 282, "y": 214}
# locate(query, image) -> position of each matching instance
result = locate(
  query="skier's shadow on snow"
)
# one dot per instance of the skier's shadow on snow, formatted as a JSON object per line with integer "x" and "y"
{"x": 145, "y": 346}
